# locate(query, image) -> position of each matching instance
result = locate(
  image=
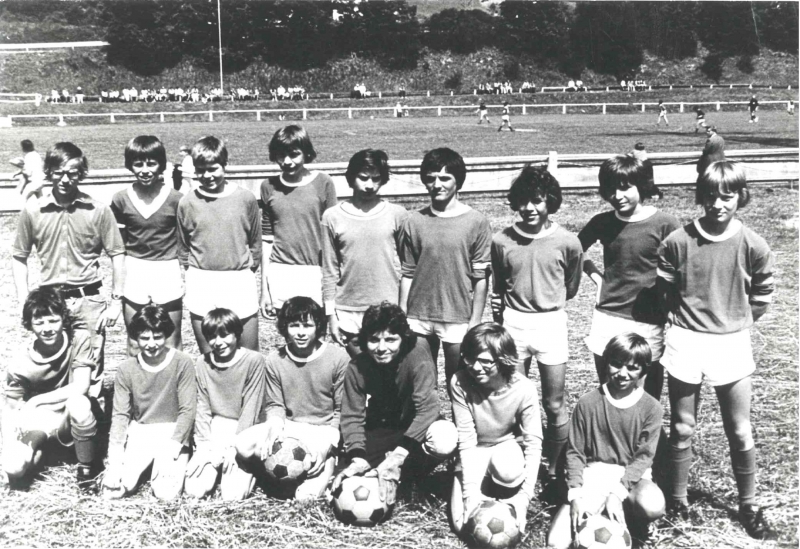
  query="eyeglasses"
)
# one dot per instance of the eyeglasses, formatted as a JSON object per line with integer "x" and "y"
{"x": 72, "y": 174}
{"x": 484, "y": 363}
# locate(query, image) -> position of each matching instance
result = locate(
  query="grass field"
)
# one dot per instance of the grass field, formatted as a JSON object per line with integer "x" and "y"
{"x": 408, "y": 138}
{"x": 52, "y": 512}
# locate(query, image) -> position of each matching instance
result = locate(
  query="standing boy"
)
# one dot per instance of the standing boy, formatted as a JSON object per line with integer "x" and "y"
{"x": 70, "y": 230}
{"x": 444, "y": 256}
{"x": 752, "y": 106}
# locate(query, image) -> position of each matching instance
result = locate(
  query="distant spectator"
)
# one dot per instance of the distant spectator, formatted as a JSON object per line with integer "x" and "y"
{"x": 401, "y": 92}
{"x": 713, "y": 151}
{"x": 752, "y": 106}
{"x": 622, "y": 85}
{"x": 79, "y": 95}
{"x": 187, "y": 171}
{"x": 30, "y": 177}
{"x": 790, "y": 107}
{"x": 662, "y": 113}
{"x": 639, "y": 151}
{"x": 571, "y": 86}
{"x": 579, "y": 85}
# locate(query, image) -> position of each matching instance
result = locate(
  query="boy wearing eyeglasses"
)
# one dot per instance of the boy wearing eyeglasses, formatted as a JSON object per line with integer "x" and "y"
{"x": 70, "y": 230}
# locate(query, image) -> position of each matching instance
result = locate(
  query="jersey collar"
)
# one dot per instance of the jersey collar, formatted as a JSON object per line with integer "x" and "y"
{"x": 646, "y": 213}
{"x": 310, "y": 357}
{"x": 541, "y": 234}
{"x": 624, "y": 402}
{"x": 734, "y": 227}
{"x": 158, "y": 367}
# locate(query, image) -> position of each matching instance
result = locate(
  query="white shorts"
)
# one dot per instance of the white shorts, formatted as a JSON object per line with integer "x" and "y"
{"x": 54, "y": 423}
{"x": 539, "y": 335}
{"x": 350, "y": 321}
{"x": 449, "y": 332}
{"x": 159, "y": 281}
{"x": 600, "y": 480}
{"x": 234, "y": 290}
{"x": 605, "y": 326}
{"x": 287, "y": 281}
{"x": 143, "y": 445}
{"x": 235, "y": 484}
{"x": 506, "y": 118}
{"x": 720, "y": 359}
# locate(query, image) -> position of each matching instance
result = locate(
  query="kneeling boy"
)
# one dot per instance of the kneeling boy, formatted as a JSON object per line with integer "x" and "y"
{"x": 612, "y": 442}
{"x": 154, "y": 407}
{"x": 46, "y": 390}
{"x": 303, "y": 394}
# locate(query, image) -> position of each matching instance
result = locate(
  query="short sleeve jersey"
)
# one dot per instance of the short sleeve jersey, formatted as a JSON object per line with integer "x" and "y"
{"x": 630, "y": 258}
{"x": 360, "y": 259}
{"x": 700, "y": 115}
{"x": 536, "y": 273}
{"x": 69, "y": 239}
{"x": 29, "y": 374}
{"x": 716, "y": 277}
{"x": 442, "y": 255}
{"x": 150, "y": 231}
{"x": 292, "y": 216}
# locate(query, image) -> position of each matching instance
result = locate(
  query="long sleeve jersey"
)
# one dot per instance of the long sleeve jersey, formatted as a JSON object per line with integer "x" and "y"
{"x": 443, "y": 255}
{"x": 233, "y": 390}
{"x": 358, "y": 248}
{"x": 716, "y": 277}
{"x": 306, "y": 390}
{"x": 613, "y": 432}
{"x": 536, "y": 273}
{"x": 165, "y": 393}
{"x": 401, "y": 397}
{"x": 488, "y": 418}
{"x": 292, "y": 216}
{"x": 219, "y": 233}
{"x": 630, "y": 259}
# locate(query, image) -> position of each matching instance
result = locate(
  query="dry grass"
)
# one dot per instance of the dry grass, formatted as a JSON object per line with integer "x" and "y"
{"x": 52, "y": 512}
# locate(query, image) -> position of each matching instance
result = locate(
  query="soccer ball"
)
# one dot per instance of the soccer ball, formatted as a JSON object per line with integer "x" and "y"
{"x": 600, "y": 532}
{"x": 441, "y": 438}
{"x": 288, "y": 460}
{"x": 492, "y": 525}
{"x": 357, "y": 502}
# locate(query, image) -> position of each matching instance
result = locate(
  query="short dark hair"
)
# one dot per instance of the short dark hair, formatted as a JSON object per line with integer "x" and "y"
{"x": 626, "y": 170}
{"x": 492, "y": 337}
{"x": 368, "y": 160}
{"x": 145, "y": 147}
{"x": 723, "y": 177}
{"x": 535, "y": 182}
{"x": 388, "y": 317}
{"x": 301, "y": 309}
{"x": 45, "y": 301}
{"x": 639, "y": 146}
{"x": 61, "y": 153}
{"x": 450, "y": 160}
{"x": 26, "y": 145}
{"x": 210, "y": 150}
{"x": 628, "y": 347}
{"x": 151, "y": 318}
{"x": 291, "y": 137}
{"x": 221, "y": 321}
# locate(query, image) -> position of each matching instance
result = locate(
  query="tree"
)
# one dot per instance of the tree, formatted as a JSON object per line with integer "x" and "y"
{"x": 776, "y": 25}
{"x": 605, "y": 35}
{"x": 728, "y": 28}
{"x": 460, "y": 31}
{"x": 387, "y": 30}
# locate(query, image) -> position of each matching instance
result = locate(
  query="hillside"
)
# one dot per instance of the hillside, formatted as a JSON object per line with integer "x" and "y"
{"x": 40, "y": 72}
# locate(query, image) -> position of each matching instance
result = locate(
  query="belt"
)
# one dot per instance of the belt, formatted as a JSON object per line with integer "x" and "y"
{"x": 68, "y": 290}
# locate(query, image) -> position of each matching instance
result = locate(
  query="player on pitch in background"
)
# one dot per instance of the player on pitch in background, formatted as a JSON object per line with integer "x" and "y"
{"x": 292, "y": 205}
{"x": 361, "y": 237}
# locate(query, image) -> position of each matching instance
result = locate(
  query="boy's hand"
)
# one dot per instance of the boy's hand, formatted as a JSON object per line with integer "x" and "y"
{"x": 519, "y": 502}
{"x": 388, "y": 473}
{"x": 614, "y": 508}
{"x": 108, "y": 318}
{"x": 265, "y": 305}
{"x": 274, "y": 432}
{"x": 172, "y": 449}
{"x": 496, "y": 302}
{"x": 333, "y": 327}
{"x": 357, "y": 467}
{"x": 228, "y": 459}
{"x": 470, "y": 504}
{"x": 577, "y": 513}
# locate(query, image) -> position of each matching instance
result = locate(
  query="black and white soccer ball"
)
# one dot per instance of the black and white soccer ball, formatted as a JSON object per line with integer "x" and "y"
{"x": 357, "y": 502}
{"x": 492, "y": 525}
{"x": 600, "y": 532}
{"x": 288, "y": 460}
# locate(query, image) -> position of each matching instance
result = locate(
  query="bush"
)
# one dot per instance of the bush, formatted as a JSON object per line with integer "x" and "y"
{"x": 712, "y": 66}
{"x": 745, "y": 64}
{"x": 453, "y": 82}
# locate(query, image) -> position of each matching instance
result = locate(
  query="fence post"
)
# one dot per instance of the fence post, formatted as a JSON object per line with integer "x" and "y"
{"x": 161, "y": 117}
{"x": 790, "y": 87}
{"x": 429, "y": 93}
{"x": 731, "y": 87}
{"x": 642, "y": 107}
{"x": 331, "y": 96}
{"x": 751, "y": 86}
{"x": 305, "y": 114}
{"x": 524, "y": 109}
{"x": 61, "y": 121}
{"x": 474, "y": 91}
{"x": 650, "y": 88}
{"x": 770, "y": 87}
{"x": 670, "y": 87}
{"x": 451, "y": 93}
{"x": 563, "y": 109}
{"x": 607, "y": 88}
{"x": 258, "y": 116}
{"x": 717, "y": 105}
{"x": 349, "y": 113}
{"x": 380, "y": 95}
{"x": 439, "y": 111}
{"x": 552, "y": 162}
{"x": 112, "y": 119}
{"x": 210, "y": 116}
{"x": 604, "y": 108}
{"x": 691, "y": 87}
{"x": 711, "y": 87}
{"x": 681, "y": 107}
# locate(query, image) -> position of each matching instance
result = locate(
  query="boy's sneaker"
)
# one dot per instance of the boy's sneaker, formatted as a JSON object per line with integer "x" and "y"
{"x": 752, "y": 518}
{"x": 677, "y": 510}
{"x": 86, "y": 477}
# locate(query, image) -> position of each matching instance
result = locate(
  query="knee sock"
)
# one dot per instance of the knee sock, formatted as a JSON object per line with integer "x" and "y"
{"x": 681, "y": 462}
{"x": 83, "y": 434}
{"x": 555, "y": 437}
{"x": 744, "y": 471}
